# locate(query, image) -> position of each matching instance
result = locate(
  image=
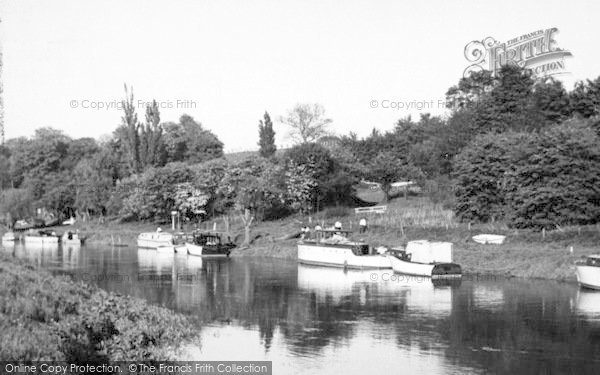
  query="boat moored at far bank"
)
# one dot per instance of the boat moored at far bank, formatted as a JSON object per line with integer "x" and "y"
{"x": 424, "y": 258}
{"x": 153, "y": 240}
{"x": 588, "y": 272}
{"x": 334, "y": 248}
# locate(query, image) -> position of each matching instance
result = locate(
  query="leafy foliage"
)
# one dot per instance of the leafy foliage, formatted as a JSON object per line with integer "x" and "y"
{"x": 266, "y": 136}
{"x": 555, "y": 182}
{"x": 52, "y": 318}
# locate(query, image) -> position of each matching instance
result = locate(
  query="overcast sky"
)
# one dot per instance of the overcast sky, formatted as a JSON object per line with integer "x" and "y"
{"x": 226, "y": 62}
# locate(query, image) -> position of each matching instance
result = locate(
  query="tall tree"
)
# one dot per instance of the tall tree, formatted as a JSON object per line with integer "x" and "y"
{"x": 266, "y": 136}
{"x": 307, "y": 122}
{"x": 129, "y": 132}
{"x": 152, "y": 149}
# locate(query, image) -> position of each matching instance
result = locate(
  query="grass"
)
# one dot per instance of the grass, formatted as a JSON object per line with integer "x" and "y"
{"x": 50, "y": 318}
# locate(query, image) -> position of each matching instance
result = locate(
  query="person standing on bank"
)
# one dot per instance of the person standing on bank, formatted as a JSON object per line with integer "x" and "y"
{"x": 363, "y": 225}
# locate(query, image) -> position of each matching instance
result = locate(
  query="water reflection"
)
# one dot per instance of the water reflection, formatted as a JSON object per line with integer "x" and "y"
{"x": 321, "y": 320}
{"x": 588, "y": 304}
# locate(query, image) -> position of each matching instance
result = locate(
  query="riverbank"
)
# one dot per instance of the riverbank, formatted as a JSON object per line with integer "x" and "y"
{"x": 525, "y": 253}
{"x": 46, "y": 317}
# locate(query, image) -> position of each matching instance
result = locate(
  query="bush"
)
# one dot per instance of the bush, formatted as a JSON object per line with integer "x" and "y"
{"x": 557, "y": 180}
{"x": 480, "y": 170}
{"x": 49, "y": 318}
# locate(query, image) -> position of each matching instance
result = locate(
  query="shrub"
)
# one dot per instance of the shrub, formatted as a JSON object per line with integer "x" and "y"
{"x": 557, "y": 180}
{"x": 480, "y": 170}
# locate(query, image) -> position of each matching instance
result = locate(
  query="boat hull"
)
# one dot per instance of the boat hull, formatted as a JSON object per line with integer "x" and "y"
{"x": 202, "y": 251}
{"x": 339, "y": 256}
{"x": 491, "y": 239}
{"x": 154, "y": 240}
{"x": 48, "y": 241}
{"x": 433, "y": 270}
{"x": 588, "y": 276}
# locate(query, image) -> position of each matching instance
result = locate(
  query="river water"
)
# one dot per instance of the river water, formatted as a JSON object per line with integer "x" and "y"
{"x": 315, "y": 320}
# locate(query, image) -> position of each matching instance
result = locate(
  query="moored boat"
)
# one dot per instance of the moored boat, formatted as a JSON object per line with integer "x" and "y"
{"x": 72, "y": 239}
{"x": 9, "y": 238}
{"x": 494, "y": 239}
{"x": 152, "y": 240}
{"x": 208, "y": 244}
{"x": 424, "y": 258}
{"x": 334, "y": 248}
{"x": 588, "y": 272}
{"x": 41, "y": 238}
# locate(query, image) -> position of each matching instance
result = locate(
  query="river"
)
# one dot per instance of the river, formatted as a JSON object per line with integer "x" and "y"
{"x": 326, "y": 321}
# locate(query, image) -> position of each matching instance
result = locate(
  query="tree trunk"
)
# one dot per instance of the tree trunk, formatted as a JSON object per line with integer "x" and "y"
{"x": 247, "y": 218}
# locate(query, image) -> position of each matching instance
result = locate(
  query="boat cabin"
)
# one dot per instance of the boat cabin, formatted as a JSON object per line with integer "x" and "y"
{"x": 592, "y": 261}
{"x": 336, "y": 238}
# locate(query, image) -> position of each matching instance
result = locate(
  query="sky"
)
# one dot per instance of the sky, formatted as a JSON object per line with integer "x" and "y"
{"x": 227, "y": 62}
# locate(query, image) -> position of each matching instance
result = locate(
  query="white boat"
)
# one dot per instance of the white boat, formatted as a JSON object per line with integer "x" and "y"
{"x": 495, "y": 239}
{"x": 424, "y": 258}
{"x": 334, "y": 248}
{"x": 9, "y": 238}
{"x": 208, "y": 245}
{"x": 193, "y": 249}
{"x": 152, "y": 240}
{"x": 41, "y": 238}
{"x": 71, "y": 239}
{"x": 588, "y": 272}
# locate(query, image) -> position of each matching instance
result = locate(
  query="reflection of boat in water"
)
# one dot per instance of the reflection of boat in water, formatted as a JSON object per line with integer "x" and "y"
{"x": 334, "y": 248}
{"x": 588, "y": 303}
{"x": 424, "y": 258}
{"x": 588, "y": 272}
{"x": 488, "y": 297}
{"x": 383, "y": 286}
{"x": 153, "y": 261}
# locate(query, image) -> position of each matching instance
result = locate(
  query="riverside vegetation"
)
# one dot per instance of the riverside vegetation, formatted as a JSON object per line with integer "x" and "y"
{"x": 516, "y": 153}
{"x": 46, "y": 317}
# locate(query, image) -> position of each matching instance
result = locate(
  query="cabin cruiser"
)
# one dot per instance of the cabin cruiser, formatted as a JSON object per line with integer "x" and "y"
{"x": 208, "y": 244}
{"x": 153, "y": 240}
{"x": 42, "y": 237}
{"x": 72, "y": 238}
{"x": 424, "y": 258}
{"x": 334, "y": 248}
{"x": 588, "y": 272}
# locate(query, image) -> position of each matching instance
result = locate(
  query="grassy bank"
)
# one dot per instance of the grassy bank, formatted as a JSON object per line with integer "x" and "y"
{"x": 524, "y": 254}
{"x": 43, "y": 317}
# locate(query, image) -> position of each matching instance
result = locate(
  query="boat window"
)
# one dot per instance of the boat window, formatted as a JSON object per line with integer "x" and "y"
{"x": 594, "y": 262}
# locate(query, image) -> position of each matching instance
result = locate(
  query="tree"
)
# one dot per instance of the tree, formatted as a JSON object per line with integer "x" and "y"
{"x": 509, "y": 104}
{"x": 307, "y": 122}
{"x": 152, "y": 149}
{"x": 585, "y": 98}
{"x": 480, "y": 172}
{"x": 388, "y": 168}
{"x": 552, "y": 100}
{"x": 555, "y": 182}
{"x": 129, "y": 132}
{"x": 266, "y": 136}
{"x": 187, "y": 141}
